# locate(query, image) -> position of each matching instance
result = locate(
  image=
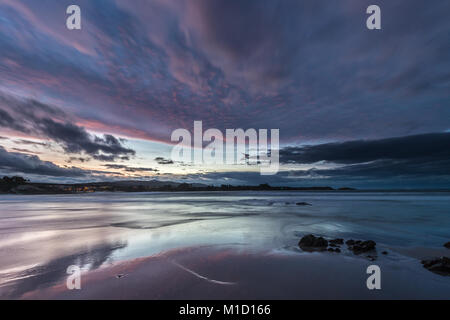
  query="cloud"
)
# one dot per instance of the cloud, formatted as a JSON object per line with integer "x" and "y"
{"x": 384, "y": 169}
{"x": 29, "y": 142}
{"x": 75, "y": 139}
{"x": 31, "y": 164}
{"x": 311, "y": 69}
{"x": 417, "y": 156}
{"x": 433, "y": 146}
{"x": 25, "y": 151}
{"x": 417, "y": 161}
{"x": 161, "y": 160}
{"x": 33, "y": 117}
{"x": 129, "y": 169}
{"x": 9, "y": 122}
{"x": 80, "y": 159}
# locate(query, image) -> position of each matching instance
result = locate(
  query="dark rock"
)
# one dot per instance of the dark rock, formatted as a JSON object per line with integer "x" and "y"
{"x": 303, "y": 204}
{"x": 337, "y": 250}
{"x": 337, "y": 241}
{"x": 359, "y": 247}
{"x": 384, "y": 252}
{"x": 307, "y": 241}
{"x": 447, "y": 245}
{"x": 439, "y": 265}
{"x": 350, "y": 242}
{"x": 372, "y": 258}
{"x": 330, "y": 249}
{"x": 312, "y": 243}
{"x": 320, "y": 242}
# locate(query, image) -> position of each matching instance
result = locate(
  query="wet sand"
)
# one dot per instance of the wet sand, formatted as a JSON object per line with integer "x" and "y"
{"x": 220, "y": 245}
{"x": 231, "y": 273}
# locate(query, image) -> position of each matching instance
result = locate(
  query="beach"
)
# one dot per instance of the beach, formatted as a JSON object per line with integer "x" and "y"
{"x": 221, "y": 245}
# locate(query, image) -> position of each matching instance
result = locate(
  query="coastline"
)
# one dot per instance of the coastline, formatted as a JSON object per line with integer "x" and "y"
{"x": 169, "y": 245}
{"x": 232, "y": 273}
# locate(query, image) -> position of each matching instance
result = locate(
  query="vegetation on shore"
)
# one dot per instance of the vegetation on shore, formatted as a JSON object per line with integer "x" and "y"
{"x": 7, "y": 184}
{"x": 19, "y": 185}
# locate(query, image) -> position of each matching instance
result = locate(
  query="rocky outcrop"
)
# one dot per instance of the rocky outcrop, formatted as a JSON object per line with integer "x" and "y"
{"x": 336, "y": 242}
{"x": 358, "y": 246}
{"x": 313, "y": 243}
{"x": 438, "y": 265}
{"x": 303, "y": 204}
{"x": 447, "y": 245}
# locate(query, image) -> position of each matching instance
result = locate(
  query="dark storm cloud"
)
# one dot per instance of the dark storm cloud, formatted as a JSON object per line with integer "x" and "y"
{"x": 379, "y": 174}
{"x": 75, "y": 139}
{"x": 386, "y": 169}
{"x": 29, "y": 142}
{"x": 33, "y": 117}
{"x": 129, "y": 169}
{"x": 432, "y": 147}
{"x": 25, "y": 151}
{"x": 31, "y": 164}
{"x": 419, "y": 160}
{"x": 161, "y": 160}
{"x": 80, "y": 159}
{"x": 9, "y": 122}
{"x": 418, "y": 156}
{"x": 20, "y": 114}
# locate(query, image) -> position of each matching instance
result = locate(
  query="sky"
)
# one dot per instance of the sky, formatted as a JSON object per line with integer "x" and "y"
{"x": 354, "y": 107}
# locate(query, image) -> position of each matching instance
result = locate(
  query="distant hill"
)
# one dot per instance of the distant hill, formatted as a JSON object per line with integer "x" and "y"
{"x": 19, "y": 185}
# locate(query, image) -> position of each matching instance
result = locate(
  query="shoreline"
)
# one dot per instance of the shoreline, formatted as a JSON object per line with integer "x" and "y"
{"x": 19, "y": 185}
{"x": 231, "y": 273}
{"x": 228, "y": 191}
{"x": 202, "y": 245}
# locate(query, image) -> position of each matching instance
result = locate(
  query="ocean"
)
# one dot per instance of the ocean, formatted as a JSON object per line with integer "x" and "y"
{"x": 41, "y": 235}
